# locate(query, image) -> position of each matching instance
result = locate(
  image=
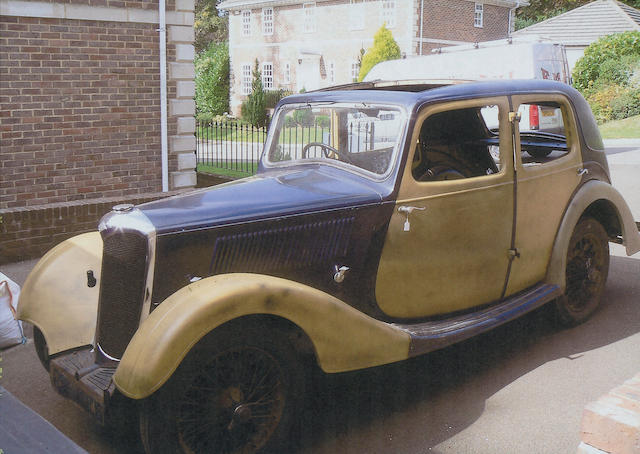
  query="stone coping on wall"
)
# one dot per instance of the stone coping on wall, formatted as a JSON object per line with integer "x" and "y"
{"x": 29, "y": 232}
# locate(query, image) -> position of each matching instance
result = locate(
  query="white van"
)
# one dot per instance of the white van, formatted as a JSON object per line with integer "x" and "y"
{"x": 521, "y": 58}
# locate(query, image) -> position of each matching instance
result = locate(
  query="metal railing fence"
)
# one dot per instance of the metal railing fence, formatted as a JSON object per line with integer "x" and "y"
{"x": 231, "y": 148}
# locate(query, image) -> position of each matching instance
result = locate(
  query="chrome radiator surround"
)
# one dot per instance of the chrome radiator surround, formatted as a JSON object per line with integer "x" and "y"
{"x": 127, "y": 278}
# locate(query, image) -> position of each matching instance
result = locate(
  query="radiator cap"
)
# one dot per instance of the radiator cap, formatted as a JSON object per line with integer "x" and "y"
{"x": 123, "y": 208}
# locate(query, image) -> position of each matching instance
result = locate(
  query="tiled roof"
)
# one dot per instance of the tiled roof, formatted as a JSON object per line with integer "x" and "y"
{"x": 584, "y": 25}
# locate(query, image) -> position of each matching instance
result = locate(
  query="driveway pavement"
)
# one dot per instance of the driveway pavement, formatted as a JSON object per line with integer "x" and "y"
{"x": 519, "y": 389}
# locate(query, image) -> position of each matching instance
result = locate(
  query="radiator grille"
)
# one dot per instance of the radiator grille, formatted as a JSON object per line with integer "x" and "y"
{"x": 282, "y": 248}
{"x": 121, "y": 290}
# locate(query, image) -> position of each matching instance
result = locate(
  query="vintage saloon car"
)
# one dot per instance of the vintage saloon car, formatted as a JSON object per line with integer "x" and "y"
{"x": 385, "y": 221}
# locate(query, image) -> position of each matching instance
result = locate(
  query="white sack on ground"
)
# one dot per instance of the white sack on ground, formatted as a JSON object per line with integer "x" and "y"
{"x": 10, "y": 329}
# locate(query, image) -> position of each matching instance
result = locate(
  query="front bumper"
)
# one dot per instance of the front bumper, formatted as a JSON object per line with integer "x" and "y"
{"x": 78, "y": 376}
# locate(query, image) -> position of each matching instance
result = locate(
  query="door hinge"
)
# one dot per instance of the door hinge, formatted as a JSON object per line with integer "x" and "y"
{"x": 514, "y": 253}
{"x": 514, "y": 116}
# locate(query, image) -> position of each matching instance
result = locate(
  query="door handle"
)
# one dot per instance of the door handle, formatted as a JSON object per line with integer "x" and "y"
{"x": 582, "y": 171}
{"x": 407, "y": 210}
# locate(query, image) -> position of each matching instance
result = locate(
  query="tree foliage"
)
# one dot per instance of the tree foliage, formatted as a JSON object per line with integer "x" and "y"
{"x": 254, "y": 109}
{"x": 384, "y": 48}
{"x": 210, "y": 24}
{"x": 212, "y": 80}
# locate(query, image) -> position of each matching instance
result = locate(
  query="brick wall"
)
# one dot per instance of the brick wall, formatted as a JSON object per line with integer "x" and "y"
{"x": 29, "y": 232}
{"x": 79, "y": 104}
{"x": 454, "y": 20}
{"x": 80, "y": 113}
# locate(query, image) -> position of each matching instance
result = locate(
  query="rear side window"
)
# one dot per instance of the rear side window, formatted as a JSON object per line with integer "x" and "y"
{"x": 543, "y": 132}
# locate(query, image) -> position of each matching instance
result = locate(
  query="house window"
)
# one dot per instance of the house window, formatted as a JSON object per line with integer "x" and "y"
{"x": 246, "y": 23}
{"x": 267, "y": 76}
{"x": 286, "y": 73}
{"x": 355, "y": 70}
{"x": 267, "y": 21}
{"x": 478, "y": 15}
{"x": 309, "y": 11}
{"x": 356, "y": 14}
{"x": 246, "y": 79}
{"x": 332, "y": 72}
{"x": 388, "y": 13}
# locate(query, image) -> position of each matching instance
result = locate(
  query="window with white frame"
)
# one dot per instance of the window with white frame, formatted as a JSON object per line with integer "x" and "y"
{"x": 332, "y": 72}
{"x": 286, "y": 72}
{"x": 246, "y": 79}
{"x": 478, "y": 15}
{"x": 267, "y": 21}
{"x": 356, "y": 14}
{"x": 309, "y": 12}
{"x": 267, "y": 75}
{"x": 246, "y": 22}
{"x": 388, "y": 13}
{"x": 355, "y": 70}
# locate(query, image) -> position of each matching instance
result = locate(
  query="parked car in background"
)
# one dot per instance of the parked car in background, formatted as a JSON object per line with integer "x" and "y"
{"x": 354, "y": 246}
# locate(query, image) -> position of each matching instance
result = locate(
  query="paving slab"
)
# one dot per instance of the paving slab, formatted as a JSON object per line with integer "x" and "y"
{"x": 22, "y": 430}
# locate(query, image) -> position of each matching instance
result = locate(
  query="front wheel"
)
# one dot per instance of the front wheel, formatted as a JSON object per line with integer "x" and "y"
{"x": 234, "y": 393}
{"x": 587, "y": 269}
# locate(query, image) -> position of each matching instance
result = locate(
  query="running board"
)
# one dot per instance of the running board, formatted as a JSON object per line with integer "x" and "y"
{"x": 433, "y": 335}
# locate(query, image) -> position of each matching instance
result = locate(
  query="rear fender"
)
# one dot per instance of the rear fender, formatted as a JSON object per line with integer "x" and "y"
{"x": 55, "y": 297}
{"x": 590, "y": 193}
{"x": 343, "y": 338}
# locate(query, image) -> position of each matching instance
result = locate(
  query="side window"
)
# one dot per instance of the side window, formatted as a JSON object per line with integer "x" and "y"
{"x": 543, "y": 136}
{"x": 460, "y": 143}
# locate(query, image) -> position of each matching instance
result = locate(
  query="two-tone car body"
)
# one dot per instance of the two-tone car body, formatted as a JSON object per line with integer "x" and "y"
{"x": 385, "y": 221}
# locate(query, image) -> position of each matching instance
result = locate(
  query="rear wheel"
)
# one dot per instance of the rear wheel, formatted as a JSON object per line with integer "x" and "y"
{"x": 587, "y": 269}
{"x": 235, "y": 393}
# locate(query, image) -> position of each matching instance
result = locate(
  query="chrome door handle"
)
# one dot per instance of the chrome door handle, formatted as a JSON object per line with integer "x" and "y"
{"x": 582, "y": 172}
{"x": 407, "y": 210}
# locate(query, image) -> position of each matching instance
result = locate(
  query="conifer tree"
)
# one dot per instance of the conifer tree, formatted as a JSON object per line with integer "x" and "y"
{"x": 384, "y": 48}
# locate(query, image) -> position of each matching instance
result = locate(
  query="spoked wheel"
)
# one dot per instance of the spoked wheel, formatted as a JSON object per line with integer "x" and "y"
{"x": 234, "y": 395}
{"x": 233, "y": 404}
{"x": 586, "y": 272}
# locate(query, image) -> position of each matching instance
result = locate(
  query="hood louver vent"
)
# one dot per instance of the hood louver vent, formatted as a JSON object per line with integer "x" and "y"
{"x": 282, "y": 248}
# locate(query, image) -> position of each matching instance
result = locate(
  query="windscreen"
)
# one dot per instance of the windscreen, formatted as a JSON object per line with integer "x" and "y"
{"x": 365, "y": 137}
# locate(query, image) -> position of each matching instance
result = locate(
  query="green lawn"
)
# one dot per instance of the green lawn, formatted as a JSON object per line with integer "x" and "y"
{"x": 629, "y": 128}
{"x": 245, "y": 133}
{"x": 235, "y": 170}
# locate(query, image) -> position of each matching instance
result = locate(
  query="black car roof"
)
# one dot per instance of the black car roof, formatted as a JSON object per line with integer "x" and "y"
{"x": 406, "y": 94}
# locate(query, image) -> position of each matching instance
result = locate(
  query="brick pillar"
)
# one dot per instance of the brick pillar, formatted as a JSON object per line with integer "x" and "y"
{"x": 182, "y": 107}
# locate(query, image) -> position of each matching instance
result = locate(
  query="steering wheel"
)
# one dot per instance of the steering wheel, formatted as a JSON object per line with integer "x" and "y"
{"x": 325, "y": 150}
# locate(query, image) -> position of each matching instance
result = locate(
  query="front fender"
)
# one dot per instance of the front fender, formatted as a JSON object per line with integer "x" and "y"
{"x": 55, "y": 297}
{"x": 589, "y": 193}
{"x": 343, "y": 338}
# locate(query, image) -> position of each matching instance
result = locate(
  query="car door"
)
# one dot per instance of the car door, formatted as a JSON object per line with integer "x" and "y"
{"x": 549, "y": 169}
{"x": 447, "y": 244}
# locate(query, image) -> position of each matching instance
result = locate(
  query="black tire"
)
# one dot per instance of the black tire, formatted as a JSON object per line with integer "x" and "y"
{"x": 586, "y": 272}
{"x": 236, "y": 392}
{"x": 41, "y": 347}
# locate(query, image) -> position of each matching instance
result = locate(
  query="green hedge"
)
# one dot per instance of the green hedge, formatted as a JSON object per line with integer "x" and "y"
{"x": 608, "y": 75}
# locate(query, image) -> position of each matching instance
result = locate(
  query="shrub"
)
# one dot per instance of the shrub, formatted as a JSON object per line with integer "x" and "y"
{"x": 271, "y": 97}
{"x": 612, "y": 47}
{"x": 600, "y": 101}
{"x": 254, "y": 109}
{"x": 212, "y": 80}
{"x": 384, "y": 48}
{"x": 627, "y": 104}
